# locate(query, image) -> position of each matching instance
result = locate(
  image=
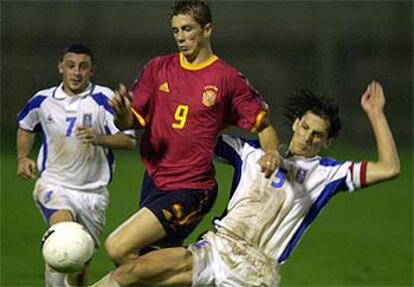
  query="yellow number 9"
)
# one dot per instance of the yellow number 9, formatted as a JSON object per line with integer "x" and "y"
{"x": 180, "y": 116}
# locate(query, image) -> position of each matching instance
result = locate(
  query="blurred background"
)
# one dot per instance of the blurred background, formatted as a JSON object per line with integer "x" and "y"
{"x": 333, "y": 47}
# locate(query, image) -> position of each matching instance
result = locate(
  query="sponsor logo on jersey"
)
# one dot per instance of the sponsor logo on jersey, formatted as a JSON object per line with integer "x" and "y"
{"x": 209, "y": 95}
{"x": 300, "y": 176}
{"x": 164, "y": 87}
{"x": 87, "y": 120}
{"x": 50, "y": 119}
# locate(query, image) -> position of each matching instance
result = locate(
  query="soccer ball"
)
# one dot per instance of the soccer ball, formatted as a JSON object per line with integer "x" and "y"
{"x": 67, "y": 247}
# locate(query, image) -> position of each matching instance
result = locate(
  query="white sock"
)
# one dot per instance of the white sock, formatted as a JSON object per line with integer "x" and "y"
{"x": 53, "y": 278}
{"x": 106, "y": 281}
{"x": 66, "y": 282}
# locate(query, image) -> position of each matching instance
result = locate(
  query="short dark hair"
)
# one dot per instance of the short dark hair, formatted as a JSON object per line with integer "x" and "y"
{"x": 199, "y": 10}
{"x": 304, "y": 100}
{"x": 77, "y": 48}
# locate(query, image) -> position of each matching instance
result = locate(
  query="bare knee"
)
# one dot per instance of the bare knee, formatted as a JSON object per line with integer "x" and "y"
{"x": 111, "y": 250}
{"x": 60, "y": 216}
{"x": 116, "y": 253}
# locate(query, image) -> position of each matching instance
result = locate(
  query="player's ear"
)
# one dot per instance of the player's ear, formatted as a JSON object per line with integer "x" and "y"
{"x": 328, "y": 142}
{"x": 60, "y": 67}
{"x": 93, "y": 69}
{"x": 208, "y": 30}
{"x": 295, "y": 124}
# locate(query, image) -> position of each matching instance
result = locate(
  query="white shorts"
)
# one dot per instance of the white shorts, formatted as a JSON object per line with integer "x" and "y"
{"x": 220, "y": 260}
{"x": 87, "y": 207}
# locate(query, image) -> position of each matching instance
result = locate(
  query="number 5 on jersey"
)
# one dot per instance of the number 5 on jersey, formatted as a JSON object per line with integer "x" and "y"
{"x": 180, "y": 117}
{"x": 280, "y": 179}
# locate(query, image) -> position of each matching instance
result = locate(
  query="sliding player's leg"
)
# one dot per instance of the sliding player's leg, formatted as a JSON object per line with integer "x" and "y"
{"x": 165, "y": 267}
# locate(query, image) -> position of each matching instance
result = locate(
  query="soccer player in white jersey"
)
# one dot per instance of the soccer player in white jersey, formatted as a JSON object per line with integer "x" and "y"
{"x": 266, "y": 217}
{"x": 75, "y": 160}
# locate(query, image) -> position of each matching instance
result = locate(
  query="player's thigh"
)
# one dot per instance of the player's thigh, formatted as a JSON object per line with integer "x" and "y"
{"x": 53, "y": 202}
{"x": 140, "y": 230}
{"x": 57, "y": 203}
{"x": 90, "y": 208}
{"x": 60, "y": 216}
{"x": 165, "y": 267}
{"x": 180, "y": 211}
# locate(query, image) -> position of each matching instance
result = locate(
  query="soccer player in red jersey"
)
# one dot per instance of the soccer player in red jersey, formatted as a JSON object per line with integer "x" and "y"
{"x": 183, "y": 100}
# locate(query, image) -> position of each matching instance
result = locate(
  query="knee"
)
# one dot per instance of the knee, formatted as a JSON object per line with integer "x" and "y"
{"x": 117, "y": 252}
{"x": 113, "y": 251}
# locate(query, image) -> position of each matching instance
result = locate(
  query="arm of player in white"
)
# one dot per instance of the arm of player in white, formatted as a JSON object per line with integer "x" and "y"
{"x": 388, "y": 164}
{"x": 26, "y": 167}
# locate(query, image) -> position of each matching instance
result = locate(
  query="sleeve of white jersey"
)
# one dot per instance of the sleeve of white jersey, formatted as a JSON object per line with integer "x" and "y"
{"x": 356, "y": 175}
{"x": 28, "y": 118}
{"x": 228, "y": 148}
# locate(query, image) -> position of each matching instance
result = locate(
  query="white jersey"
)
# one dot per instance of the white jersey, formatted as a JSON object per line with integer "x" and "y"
{"x": 274, "y": 217}
{"x": 62, "y": 157}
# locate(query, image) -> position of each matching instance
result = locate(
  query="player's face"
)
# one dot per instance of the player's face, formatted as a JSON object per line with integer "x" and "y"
{"x": 190, "y": 37}
{"x": 310, "y": 134}
{"x": 76, "y": 70}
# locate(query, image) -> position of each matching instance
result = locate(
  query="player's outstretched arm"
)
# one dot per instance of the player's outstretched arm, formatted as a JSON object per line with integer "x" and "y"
{"x": 387, "y": 165}
{"x": 26, "y": 167}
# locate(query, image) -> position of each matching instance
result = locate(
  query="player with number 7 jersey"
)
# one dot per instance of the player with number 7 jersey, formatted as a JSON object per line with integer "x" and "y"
{"x": 62, "y": 156}
{"x": 75, "y": 160}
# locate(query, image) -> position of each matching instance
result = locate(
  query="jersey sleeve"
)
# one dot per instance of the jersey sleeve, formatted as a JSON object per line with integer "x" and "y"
{"x": 229, "y": 149}
{"x": 247, "y": 110}
{"x": 28, "y": 118}
{"x": 142, "y": 91}
{"x": 357, "y": 175}
{"x": 106, "y": 112}
{"x": 347, "y": 176}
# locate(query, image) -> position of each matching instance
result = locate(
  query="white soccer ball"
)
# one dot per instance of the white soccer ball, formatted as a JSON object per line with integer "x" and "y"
{"x": 67, "y": 247}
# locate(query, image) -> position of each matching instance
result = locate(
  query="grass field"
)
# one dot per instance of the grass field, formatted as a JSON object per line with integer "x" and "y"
{"x": 361, "y": 239}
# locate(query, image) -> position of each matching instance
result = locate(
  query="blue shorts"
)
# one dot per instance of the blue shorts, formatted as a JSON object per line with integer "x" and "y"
{"x": 179, "y": 211}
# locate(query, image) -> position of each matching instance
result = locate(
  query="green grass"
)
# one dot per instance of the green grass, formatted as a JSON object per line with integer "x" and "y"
{"x": 361, "y": 239}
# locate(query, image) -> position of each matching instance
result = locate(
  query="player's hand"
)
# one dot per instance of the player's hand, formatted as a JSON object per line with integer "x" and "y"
{"x": 86, "y": 135}
{"x": 373, "y": 100}
{"x": 269, "y": 162}
{"x": 121, "y": 101}
{"x": 26, "y": 168}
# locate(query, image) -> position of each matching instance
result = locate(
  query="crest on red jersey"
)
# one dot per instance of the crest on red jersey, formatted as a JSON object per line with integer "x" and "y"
{"x": 209, "y": 95}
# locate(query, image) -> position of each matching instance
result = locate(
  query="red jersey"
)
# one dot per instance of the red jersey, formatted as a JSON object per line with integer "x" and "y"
{"x": 183, "y": 108}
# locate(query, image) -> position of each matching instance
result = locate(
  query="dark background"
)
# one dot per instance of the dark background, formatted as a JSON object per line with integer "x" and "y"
{"x": 333, "y": 47}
